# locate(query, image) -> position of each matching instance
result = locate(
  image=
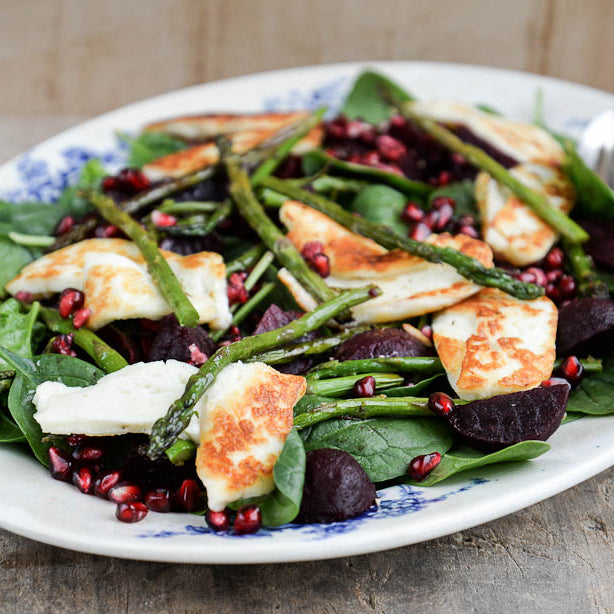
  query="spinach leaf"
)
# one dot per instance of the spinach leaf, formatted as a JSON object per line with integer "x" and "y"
{"x": 16, "y": 328}
{"x": 29, "y": 374}
{"x": 465, "y": 458}
{"x": 13, "y": 257}
{"x": 383, "y": 446}
{"x": 463, "y": 194}
{"x": 367, "y": 98}
{"x": 571, "y": 417}
{"x": 595, "y": 394}
{"x": 150, "y": 146}
{"x": 382, "y": 204}
{"x": 9, "y": 431}
{"x": 413, "y": 391}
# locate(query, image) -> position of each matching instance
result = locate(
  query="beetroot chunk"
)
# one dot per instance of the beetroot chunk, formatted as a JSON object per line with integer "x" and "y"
{"x": 173, "y": 341}
{"x": 382, "y": 342}
{"x": 586, "y": 326}
{"x": 493, "y": 424}
{"x": 336, "y": 487}
{"x": 600, "y": 246}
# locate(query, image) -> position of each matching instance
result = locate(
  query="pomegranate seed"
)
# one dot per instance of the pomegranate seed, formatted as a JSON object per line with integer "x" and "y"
{"x": 374, "y": 292}
{"x": 235, "y": 332}
{"x": 354, "y": 129}
{"x": 71, "y": 299}
{"x": 371, "y": 159}
{"x": 365, "y": 387}
{"x": 159, "y": 500}
{"x": 554, "y": 381}
{"x": 87, "y": 454}
{"x": 443, "y": 201}
{"x": 390, "y": 148}
{"x": 554, "y": 276}
{"x": 555, "y": 258}
{"x": 133, "y": 180}
{"x": 412, "y": 213}
{"x": 197, "y": 357}
{"x": 572, "y": 370}
{"x": 131, "y": 512}
{"x": 470, "y": 231}
{"x": 445, "y": 213}
{"x": 538, "y": 275}
{"x": 75, "y": 440}
{"x": 321, "y": 265}
{"x": 125, "y": 493}
{"x": 422, "y": 465}
{"x": 248, "y": 520}
{"x": 104, "y": 483}
{"x": 60, "y": 464}
{"x": 444, "y": 178}
{"x": 338, "y": 128}
{"x": 440, "y": 403}
{"x": 109, "y": 184}
{"x": 66, "y": 224}
{"x": 80, "y": 318}
{"x": 431, "y": 219}
{"x": 218, "y": 521}
{"x": 398, "y": 121}
{"x": 553, "y": 293}
{"x": 368, "y": 135}
{"x": 163, "y": 219}
{"x": 466, "y": 220}
{"x": 419, "y": 232}
{"x": 311, "y": 249}
{"x": 427, "y": 331}
{"x": 62, "y": 344}
{"x": 458, "y": 158}
{"x": 82, "y": 478}
{"x": 188, "y": 496}
{"x": 236, "y": 289}
{"x": 106, "y": 231}
{"x": 24, "y": 297}
{"x": 567, "y": 286}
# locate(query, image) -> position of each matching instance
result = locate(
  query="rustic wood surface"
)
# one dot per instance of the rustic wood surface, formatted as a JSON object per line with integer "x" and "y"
{"x": 63, "y": 61}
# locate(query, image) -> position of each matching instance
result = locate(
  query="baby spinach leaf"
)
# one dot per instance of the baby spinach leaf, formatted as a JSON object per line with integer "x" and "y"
{"x": 150, "y": 146}
{"x": 13, "y": 257}
{"x": 571, "y": 417}
{"x": 9, "y": 431}
{"x": 383, "y": 446}
{"x": 465, "y": 458}
{"x": 382, "y": 204}
{"x": 595, "y": 394}
{"x": 414, "y": 390}
{"x": 16, "y": 328}
{"x": 463, "y": 193}
{"x": 367, "y": 99}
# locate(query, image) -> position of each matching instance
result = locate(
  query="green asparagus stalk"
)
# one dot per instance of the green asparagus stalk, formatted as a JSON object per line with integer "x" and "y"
{"x": 398, "y": 364}
{"x": 157, "y": 266}
{"x": 364, "y": 408}
{"x": 167, "y": 429}
{"x": 199, "y": 225}
{"x": 466, "y": 266}
{"x": 583, "y": 270}
{"x": 478, "y": 157}
{"x": 246, "y": 260}
{"x": 172, "y": 207}
{"x": 101, "y": 353}
{"x": 273, "y": 238}
{"x": 31, "y": 240}
{"x": 338, "y": 386}
{"x": 258, "y": 271}
{"x": 181, "y": 452}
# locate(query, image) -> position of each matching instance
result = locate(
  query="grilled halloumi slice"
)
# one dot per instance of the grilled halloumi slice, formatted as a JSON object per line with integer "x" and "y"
{"x": 410, "y": 286}
{"x": 117, "y": 286}
{"x": 246, "y": 417}
{"x": 127, "y": 401}
{"x": 493, "y": 343}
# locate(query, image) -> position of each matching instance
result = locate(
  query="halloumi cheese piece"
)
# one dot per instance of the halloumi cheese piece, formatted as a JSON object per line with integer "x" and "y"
{"x": 247, "y": 415}
{"x": 493, "y": 343}
{"x": 127, "y": 401}
{"x": 410, "y": 285}
{"x": 117, "y": 286}
{"x": 512, "y": 229}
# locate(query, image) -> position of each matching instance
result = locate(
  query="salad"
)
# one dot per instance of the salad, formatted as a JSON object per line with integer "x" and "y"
{"x": 264, "y": 318}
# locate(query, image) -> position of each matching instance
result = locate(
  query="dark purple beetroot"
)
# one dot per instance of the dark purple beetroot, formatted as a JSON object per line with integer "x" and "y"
{"x": 586, "y": 326}
{"x": 336, "y": 487}
{"x": 600, "y": 246}
{"x": 122, "y": 342}
{"x": 174, "y": 341}
{"x": 382, "y": 342}
{"x": 192, "y": 245}
{"x": 493, "y": 424}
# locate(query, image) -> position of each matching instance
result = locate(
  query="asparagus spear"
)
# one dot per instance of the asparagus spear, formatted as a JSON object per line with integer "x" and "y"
{"x": 478, "y": 157}
{"x": 200, "y": 225}
{"x": 170, "y": 206}
{"x": 166, "y": 430}
{"x": 157, "y": 266}
{"x": 582, "y": 267}
{"x": 338, "y": 386}
{"x": 273, "y": 238}
{"x": 399, "y": 364}
{"x": 466, "y": 266}
{"x": 246, "y": 260}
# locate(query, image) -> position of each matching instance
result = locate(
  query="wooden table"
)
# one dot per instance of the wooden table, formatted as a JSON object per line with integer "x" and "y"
{"x": 556, "y": 556}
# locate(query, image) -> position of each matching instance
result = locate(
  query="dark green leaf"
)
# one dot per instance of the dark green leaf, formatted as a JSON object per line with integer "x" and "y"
{"x": 151, "y": 146}
{"x": 413, "y": 390}
{"x": 595, "y": 394}
{"x": 488, "y": 109}
{"x": 463, "y": 194}
{"x": 383, "y": 446}
{"x": 367, "y": 99}
{"x": 384, "y": 205}
{"x": 463, "y": 459}
{"x": 13, "y": 257}
{"x": 572, "y": 417}
{"x": 16, "y": 329}
{"x": 9, "y": 431}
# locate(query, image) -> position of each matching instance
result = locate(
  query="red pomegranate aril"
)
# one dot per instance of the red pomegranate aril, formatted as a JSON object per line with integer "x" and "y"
{"x": 87, "y": 454}
{"x": 469, "y": 231}
{"x": 163, "y": 220}
{"x": 354, "y": 129}
{"x": 567, "y": 286}
{"x": 106, "y": 231}
{"x": 62, "y": 344}
{"x": 66, "y": 224}
{"x": 365, "y": 387}
{"x": 60, "y": 465}
{"x": 553, "y": 293}
{"x": 321, "y": 265}
{"x": 538, "y": 275}
{"x": 125, "y": 493}
{"x": 445, "y": 213}
{"x": 80, "y": 317}
{"x": 427, "y": 331}
{"x": 83, "y": 479}
{"x": 398, "y": 121}
{"x": 422, "y": 465}
{"x": 24, "y": 297}
{"x": 338, "y": 128}
{"x": 248, "y": 520}
{"x": 442, "y": 201}
{"x": 104, "y": 483}
{"x": 445, "y": 177}
{"x": 197, "y": 357}
{"x": 75, "y": 440}
{"x": 158, "y": 500}
{"x": 189, "y": 496}
{"x": 440, "y": 404}
{"x": 419, "y": 232}
{"x": 371, "y": 159}
{"x": 390, "y": 148}
{"x": 131, "y": 512}
{"x": 572, "y": 370}
{"x": 554, "y": 381}
{"x": 554, "y": 276}
{"x": 133, "y": 179}
{"x": 431, "y": 219}
{"x": 312, "y": 249}
{"x": 374, "y": 292}
{"x": 555, "y": 258}
{"x": 412, "y": 213}
{"x": 236, "y": 289}
{"x": 109, "y": 184}
{"x": 218, "y": 521}
{"x": 71, "y": 299}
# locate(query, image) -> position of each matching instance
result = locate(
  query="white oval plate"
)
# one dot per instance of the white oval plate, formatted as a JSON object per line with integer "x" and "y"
{"x": 35, "y": 506}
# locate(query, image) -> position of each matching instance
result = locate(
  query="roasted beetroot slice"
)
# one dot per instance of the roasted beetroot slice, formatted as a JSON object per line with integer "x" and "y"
{"x": 173, "y": 341}
{"x": 493, "y": 424}
{"x": 600, "y": 246}
{"x": 336, "y": 487}
{"x": 586, "y": 326}
{"x": 382, "y": 342}
{"x": 122, "y": 342}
